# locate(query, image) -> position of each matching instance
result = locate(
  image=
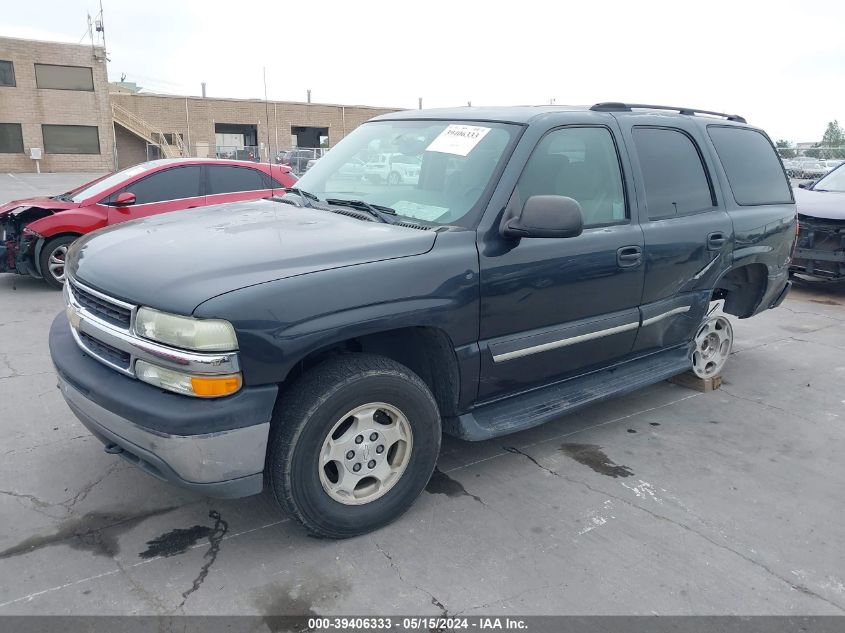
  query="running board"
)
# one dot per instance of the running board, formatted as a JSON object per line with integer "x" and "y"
{"x": 533, "y": 408}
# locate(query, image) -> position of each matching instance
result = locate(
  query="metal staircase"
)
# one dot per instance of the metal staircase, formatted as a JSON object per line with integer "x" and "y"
{"x": 151, "y": 134}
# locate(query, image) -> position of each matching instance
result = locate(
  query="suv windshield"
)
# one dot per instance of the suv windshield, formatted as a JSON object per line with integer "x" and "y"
{"x": 434, "y": 171}
{"x": 834, "y": 181}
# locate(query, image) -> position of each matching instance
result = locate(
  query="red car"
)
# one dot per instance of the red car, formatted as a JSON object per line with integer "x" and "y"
{"x": 35, "y": 233}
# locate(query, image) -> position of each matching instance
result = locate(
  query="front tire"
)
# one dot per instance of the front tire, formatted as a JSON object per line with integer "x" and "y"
{"x": 52, "y": 260}
{"x": 353, "y": 443}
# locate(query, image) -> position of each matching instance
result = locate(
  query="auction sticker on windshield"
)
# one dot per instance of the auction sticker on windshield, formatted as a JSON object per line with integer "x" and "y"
{"x": 458, "y": 139}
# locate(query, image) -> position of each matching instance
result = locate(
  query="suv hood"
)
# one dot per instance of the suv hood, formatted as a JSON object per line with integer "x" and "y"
{"x": 175, "y": 261}
{"x": 826, "y": 205}
{"x": 19, "y": 206}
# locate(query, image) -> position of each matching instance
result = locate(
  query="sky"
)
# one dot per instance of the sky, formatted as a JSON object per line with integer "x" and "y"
{"x": 779, "y": 64}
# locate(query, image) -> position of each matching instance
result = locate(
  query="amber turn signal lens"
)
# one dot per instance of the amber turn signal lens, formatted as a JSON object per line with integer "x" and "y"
{"x": 215, "y": 386}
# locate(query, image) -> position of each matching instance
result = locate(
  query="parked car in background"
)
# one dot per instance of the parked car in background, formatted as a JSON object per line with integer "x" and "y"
{"x": 820, "y": 251}
{"x": 36, "y": 232}
{"x": 394, "y": 169}
{"x": 297, "y": 159}
{"x": 322, "y": 342}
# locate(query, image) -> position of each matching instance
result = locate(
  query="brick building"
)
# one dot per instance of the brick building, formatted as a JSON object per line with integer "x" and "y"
{"x": 56, "y": 97}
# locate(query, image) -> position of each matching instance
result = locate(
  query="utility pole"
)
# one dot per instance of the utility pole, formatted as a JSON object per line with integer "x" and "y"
{"x": 420, "y": 103}
{"x": 203, "y": 89}
{"x": 266, "y": 111}
{"x": 309, "y": 95}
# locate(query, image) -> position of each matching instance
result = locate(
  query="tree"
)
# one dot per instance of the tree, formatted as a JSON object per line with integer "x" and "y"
{"x": 833, "y": 141}
{"x": 785, "y": 149}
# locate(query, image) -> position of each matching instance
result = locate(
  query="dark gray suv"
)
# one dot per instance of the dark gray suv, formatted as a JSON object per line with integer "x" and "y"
{"x": 319, "y": 343}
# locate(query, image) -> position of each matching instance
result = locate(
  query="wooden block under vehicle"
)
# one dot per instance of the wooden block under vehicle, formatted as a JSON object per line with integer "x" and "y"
{"x": 689, "y": 380}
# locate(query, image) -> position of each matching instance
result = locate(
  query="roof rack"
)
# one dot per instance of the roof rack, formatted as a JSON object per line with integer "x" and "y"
{"x": 612, "y": 106}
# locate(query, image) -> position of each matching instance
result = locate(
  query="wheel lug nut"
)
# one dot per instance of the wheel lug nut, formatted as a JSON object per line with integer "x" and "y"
{"x": 379, "y": 449}
{"x": 359, "y": 439}
{"x": 373, "y": 436}
{"x": 371, "y": 463}
{"x": 356, "y": 467}
{"x": 350, "y": 454}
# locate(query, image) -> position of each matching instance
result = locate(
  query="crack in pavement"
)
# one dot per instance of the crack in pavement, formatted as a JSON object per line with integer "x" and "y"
{"x": 83, "y": 493}
{"x": 32, "y": 498}
{"x": 215, "y": 537}
{"x": 444, "y": 612}
{"x": 797, "y": 587}
{"x": 766, "y": 405}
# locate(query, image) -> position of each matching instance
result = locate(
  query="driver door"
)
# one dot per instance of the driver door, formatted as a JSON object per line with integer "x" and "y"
{"x": 552, "y": 308}
{"x": 171, "y": 189}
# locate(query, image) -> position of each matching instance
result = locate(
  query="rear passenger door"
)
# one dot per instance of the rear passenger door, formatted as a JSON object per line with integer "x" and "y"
{"x": 232, "y": 183}
{"x": 688, "y": 234}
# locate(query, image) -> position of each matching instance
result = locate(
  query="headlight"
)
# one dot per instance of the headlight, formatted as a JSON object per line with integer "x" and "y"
{"x": 201, "y": 386}
{"x": 201, "y": 335}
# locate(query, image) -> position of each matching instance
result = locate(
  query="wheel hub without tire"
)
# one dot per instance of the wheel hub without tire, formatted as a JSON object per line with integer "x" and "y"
{"x": 712, "y": 347}
{"x": 365, "y": 453}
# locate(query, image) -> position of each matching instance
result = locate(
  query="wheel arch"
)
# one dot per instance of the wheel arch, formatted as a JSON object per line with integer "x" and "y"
{"x": 425, "y": 350}
{"x": 742, "y": 288}
{"x": 43, "y": 241}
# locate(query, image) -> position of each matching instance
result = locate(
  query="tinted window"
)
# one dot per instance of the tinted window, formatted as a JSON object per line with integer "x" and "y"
{"x": 674, "y": 178}
{"x": 223, "y": 179}
{"x": 170, "y": 184}
{"x": 7, "y": 73}
{"x": 580, "y": 163}
{"x": 64, "y": 77}
{"x": 753, "y": 168}
{"x": 11, "y": 140}
{"x": 71, "y": 139}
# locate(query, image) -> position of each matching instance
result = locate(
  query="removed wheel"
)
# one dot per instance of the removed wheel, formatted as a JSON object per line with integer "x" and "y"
{"x": 712, "y": 347}
{"x": 53, "y": 260}
{"x": 353, "y": 443}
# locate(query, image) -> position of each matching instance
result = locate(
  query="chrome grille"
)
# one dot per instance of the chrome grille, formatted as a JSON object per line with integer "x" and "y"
{"x": 103, "y": 309}
{"x": 113, "y": 355}
{"x": 104, "y": 328}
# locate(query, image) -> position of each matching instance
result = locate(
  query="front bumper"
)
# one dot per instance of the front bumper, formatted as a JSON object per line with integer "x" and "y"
{"x": 820, "y": 251}
{"x": 216, "y": 446}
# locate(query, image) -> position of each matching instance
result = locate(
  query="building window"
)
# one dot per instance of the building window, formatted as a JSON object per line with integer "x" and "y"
{"x": 11, "y": 139}
{"x": 7, "y": 73}
{"x": 71, "y": 139}
{"x": 64, "y": 77}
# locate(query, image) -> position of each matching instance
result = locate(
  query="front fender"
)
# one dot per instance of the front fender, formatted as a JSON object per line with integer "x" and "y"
{"x": 79, "y": 221}
{"x": 281, "y": 322}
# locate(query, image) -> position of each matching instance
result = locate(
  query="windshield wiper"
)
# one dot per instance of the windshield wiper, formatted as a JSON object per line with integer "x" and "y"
{"x": 306, "y": 196}
{"x": 379, "y": 212}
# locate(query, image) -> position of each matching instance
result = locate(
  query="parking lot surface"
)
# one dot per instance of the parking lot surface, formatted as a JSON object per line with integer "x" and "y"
{"x": 665, "y": 501}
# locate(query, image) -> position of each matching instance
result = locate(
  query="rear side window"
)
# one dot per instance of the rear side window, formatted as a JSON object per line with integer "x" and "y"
{"x": 223, "y": 179}
{"x": 175, "y": 183}
{"x": 673, "y": 173}
{"x": 753, "y": 168}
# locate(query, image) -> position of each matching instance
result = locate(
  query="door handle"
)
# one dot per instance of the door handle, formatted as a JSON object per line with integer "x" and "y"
{"x": 629, "y": 256}
{"x": 715, "y": 241}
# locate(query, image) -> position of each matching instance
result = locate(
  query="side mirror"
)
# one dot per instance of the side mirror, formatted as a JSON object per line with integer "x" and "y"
{"x": 125, "y": 199}
{"x": 546, "y": 216}
{"x": 807, "y": 184}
